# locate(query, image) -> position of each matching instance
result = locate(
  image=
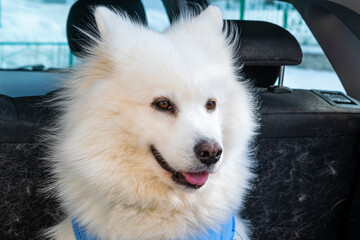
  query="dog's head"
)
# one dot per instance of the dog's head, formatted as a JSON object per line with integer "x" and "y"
{"x": 160, "y": 107}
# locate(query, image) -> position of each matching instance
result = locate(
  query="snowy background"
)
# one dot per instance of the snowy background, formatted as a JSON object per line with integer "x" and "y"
{"x": 34, "y": 32}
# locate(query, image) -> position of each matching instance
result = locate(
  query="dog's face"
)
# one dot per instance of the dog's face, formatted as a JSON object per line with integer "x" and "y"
{"x": 164, "y": 100}
{"x": 185, "y": 135}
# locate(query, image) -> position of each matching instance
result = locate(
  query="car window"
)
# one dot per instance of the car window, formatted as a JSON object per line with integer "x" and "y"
{"x": 33, "y": 33}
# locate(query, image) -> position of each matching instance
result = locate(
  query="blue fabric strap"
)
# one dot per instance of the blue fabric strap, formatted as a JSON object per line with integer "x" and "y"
{"x": 80, "y": 232}
{"x": 226, "y": 232}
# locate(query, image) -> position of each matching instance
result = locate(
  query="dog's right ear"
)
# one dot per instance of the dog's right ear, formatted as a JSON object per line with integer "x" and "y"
{"x": 112, "y": 22}
{"x": 105, "y": 19}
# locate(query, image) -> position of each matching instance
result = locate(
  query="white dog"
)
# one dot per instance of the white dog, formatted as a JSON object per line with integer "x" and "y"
{"x": 154, "y": 135}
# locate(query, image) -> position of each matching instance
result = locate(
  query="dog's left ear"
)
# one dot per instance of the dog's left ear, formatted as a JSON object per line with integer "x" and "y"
{"x": 205, "y": 28}
{"x": 207, "y": 22}
{"x": 211, "y": 15}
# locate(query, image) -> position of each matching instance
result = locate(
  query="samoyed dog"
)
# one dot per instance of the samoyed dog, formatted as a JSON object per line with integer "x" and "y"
{"x": 153, "y": 138}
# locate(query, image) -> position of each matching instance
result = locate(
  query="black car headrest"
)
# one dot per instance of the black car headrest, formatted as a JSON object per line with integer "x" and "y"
{"x": 81, "y": 17}
{"x": 266, "y": 44}
{"x": 263, "y": 46}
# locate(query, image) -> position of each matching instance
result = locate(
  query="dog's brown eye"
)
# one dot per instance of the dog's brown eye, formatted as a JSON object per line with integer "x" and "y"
{"x": 210, "y": 105}
{"x": 163, "y": 104}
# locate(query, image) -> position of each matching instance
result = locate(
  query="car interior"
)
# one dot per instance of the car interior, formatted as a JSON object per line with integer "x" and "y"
{"x": 307, "y": 183}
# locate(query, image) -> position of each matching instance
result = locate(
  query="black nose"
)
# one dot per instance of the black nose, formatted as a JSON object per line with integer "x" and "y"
{"x": 208, "y": 152}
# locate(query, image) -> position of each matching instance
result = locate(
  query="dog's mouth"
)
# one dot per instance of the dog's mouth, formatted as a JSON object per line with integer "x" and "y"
{"x": 193, "y": 180}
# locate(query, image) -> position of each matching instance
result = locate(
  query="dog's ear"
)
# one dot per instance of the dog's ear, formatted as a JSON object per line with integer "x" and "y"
{"x": 112, "y": 22}
{"x": 211, "y": 15}
{"x": 208, "y": 21}
{"x": 203, "y": 27}
{"x": 104, "y": 18}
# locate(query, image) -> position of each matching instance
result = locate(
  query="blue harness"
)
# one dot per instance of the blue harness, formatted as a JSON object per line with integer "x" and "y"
{"x": 226, "y": 232}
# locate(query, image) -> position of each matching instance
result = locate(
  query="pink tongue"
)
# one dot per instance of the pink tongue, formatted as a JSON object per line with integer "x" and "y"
{"x": 199, "y": 178}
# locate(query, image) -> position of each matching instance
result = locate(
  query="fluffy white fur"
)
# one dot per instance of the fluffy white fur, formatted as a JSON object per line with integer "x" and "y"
{"x": 104, "y": 172}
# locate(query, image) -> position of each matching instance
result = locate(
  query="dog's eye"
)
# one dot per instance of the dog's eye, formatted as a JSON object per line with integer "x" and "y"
{"x": 210, "y": 105}
{"x": 163, "y": 104}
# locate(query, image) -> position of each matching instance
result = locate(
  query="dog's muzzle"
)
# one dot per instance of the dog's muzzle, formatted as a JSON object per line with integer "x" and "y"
{"x": 207, "y": 154}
